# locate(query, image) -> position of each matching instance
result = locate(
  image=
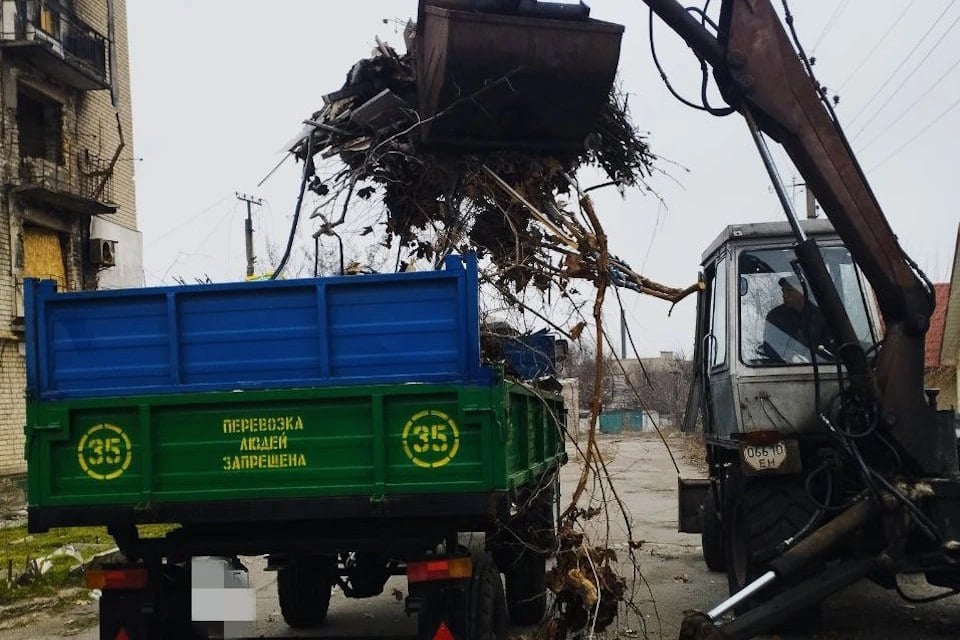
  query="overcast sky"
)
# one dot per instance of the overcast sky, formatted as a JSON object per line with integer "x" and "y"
{"x": 220, "y": 85}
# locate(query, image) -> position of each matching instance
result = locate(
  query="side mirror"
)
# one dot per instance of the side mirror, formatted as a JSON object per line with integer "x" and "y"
{"x": 744, "y": 286}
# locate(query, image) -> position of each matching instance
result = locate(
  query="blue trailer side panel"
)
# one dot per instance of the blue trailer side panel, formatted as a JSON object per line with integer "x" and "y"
{"x": 410, "y": 327}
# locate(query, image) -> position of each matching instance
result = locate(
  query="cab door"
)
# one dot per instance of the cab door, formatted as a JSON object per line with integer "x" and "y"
{"x": 719, "y": 405}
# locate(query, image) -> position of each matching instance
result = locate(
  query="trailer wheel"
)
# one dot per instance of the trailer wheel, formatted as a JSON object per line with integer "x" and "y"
{"x": 303, "y": 587}
{"x": 526, "y": 588}
{"x": 486, "y": 609}
{"x": 711, "y": 536}
{"x": 473, "y": 609}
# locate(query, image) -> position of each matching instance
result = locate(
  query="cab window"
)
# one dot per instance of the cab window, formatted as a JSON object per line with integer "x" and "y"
{"x": 780, "y": 320}
{"x": 716, "y": 347}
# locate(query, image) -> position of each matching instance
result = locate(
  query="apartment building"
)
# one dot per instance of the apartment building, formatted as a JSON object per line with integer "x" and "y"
{"x": 67, "y": 209}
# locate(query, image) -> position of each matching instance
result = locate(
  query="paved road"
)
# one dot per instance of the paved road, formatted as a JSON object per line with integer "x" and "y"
{"x": 670, "y": 563}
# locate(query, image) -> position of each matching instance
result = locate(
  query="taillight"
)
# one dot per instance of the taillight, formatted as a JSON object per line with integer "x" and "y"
{"x": 116, "y": 579}
{"x": 439, "y": 569}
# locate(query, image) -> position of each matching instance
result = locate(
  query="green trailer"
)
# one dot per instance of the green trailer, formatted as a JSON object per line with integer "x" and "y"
{"x": 330, "y": 424}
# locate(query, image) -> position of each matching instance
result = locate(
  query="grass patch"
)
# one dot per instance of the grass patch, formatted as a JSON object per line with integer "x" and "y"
{"x": 20, "y": 551}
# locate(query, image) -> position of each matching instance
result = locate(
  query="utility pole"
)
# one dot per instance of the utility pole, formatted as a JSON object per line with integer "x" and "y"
{"x": 623, "y": 334}
{"x": 248, "y": 229}
{"x": 811, "y": 204}
{"x": 811, "y": 200}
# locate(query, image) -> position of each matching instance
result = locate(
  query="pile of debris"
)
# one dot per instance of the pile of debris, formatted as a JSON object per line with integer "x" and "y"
{"x": 521, "y": 209}
{"x": 588, "y": 589}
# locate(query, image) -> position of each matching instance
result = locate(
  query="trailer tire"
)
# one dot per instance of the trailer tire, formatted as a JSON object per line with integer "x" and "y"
{"x": 711, "y": 533}
{"x": 526, "y": 588}
{"x": 303, "y": 588}
{"x": 487, "y": 608}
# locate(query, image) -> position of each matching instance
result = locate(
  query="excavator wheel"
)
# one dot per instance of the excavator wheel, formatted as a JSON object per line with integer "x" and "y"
{"x": 763, "y": 513}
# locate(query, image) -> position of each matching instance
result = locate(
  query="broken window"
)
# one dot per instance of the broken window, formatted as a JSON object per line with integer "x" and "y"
{"x": 40, "y": 123}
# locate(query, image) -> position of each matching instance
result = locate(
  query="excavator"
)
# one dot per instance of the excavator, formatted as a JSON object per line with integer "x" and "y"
{"x": 828, "y": 460}
{"x": 867, "y": 464}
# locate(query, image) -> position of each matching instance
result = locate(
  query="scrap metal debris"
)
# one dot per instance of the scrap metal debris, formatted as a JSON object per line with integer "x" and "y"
{"x": 521, "y": 209}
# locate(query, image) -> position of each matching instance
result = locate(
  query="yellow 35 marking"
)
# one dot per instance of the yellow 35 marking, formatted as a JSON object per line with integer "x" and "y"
{"x": 431, "y": 439}
{"x": 104, "y": 452}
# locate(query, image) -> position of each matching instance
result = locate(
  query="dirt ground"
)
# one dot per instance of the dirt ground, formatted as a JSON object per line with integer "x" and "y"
{"x": 674, "y": 577}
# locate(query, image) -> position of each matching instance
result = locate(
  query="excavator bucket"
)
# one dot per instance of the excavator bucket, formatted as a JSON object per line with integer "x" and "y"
{"x": 512, "y": 73}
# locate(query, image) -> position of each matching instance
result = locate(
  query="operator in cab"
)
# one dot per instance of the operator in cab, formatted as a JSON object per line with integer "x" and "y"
{"x": 794, "y": 327}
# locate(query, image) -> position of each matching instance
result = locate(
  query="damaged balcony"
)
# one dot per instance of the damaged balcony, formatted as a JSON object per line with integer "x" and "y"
{"x": 85, "y": 189}
{"x": 49, "y": 36}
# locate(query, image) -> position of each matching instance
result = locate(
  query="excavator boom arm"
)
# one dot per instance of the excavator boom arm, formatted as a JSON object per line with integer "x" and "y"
{"x": 761, "y": 75}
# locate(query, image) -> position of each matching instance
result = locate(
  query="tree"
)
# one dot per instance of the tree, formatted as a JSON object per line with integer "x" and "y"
{"x": 582, "y": 365}
{"x": 665, "y": 385}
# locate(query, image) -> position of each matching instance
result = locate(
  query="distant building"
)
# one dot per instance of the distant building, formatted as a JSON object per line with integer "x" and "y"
{"x": 658, "y": 384}
{"x": 943, "y": 368}
{"x": 570, "y": 390}
{"x": 68, "y": 208}
{"x": 937, "y": 373}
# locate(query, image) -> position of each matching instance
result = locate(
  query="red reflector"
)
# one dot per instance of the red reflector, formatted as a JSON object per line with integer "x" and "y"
{"x": 443, "y": 633}
{"x": 762, "y": 437}
{"x": 122, "y": 635}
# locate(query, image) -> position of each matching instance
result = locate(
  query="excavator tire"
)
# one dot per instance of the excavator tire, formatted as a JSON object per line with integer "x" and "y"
{"x": 759, "y": 516}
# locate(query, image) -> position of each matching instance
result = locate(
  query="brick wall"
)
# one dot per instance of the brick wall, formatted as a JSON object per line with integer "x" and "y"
{"x": 97, "y": 121}
{"x": 12, "y": 365}
{"x": 90, "y": 122}
{"x": 12, "y": 407}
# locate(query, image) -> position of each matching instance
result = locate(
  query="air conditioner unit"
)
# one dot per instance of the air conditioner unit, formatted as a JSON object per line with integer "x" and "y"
{"x": 103, "y": 253}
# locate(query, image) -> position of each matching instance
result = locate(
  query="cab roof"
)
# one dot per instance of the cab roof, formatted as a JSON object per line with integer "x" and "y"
{"x": 772, "y": 230}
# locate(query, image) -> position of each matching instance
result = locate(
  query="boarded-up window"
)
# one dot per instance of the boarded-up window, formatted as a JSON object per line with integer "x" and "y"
{"x": 43, "y": 256}
{"x": 50, "y": 21}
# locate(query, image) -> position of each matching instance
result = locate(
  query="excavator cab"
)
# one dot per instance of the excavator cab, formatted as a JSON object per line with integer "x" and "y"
{"x": 765, "y": 346}
{"x": 765, "y": 368}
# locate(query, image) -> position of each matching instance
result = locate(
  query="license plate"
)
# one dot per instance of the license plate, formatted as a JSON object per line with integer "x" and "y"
{"x": 768, "y": 457}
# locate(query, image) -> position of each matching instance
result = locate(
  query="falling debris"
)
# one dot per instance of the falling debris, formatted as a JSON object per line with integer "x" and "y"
{"x": 520, "y": 208}
{"x": 534, "y": 228}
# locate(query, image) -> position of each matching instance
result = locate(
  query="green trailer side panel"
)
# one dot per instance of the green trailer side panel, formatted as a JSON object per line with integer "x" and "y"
{"x": 536, "y": 430}
{"x": 370, "y": 441}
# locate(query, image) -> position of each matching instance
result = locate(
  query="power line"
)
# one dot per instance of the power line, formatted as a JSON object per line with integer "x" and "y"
{"x": 936, "y": 83}
{"x": 940, "y": 117}
{"x": 183, "y": 254}
{"x": 908, "y": 77}
{"x": 876, "y": 46}
{"x": 903, "y": 61}
{"x": 192, "y": 219}
{"x": 831, "y": 22}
